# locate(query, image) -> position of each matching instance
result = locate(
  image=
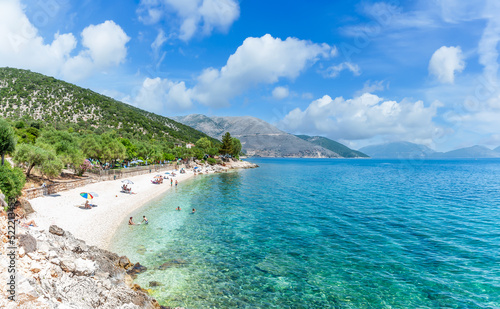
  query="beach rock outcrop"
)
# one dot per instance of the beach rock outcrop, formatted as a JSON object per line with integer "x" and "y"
{"x": 124, "y": 262}
{"x": 27, "y": 242}
{"x": 54, "y": 229}
{"x": 25, "y": 205}
{"x": 56, "y": 270}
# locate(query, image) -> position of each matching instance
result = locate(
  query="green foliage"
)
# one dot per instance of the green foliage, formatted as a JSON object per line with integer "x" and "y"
{"x": 11, "y": 182}
{"x": 169, "y": 157}
{"x": 227, "y": 144}
{"x": 236, "y": 147}
{"x": 52, "y": 166}
{"x": 20, "y": 124}
{"x": 211, "y": 161}
{"x": 66, "y": 146}
{"x": 41, "y": 156}
{"x": 204, "y": 143}
{"x": 7, "y": 139}
{"x": 71, "y": 108}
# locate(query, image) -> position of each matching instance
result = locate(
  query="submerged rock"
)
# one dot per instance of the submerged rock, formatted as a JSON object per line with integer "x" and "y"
{"x": 172, "y": 263}
{"x": 154, "y": 283}
{"x": 137, "y": 269}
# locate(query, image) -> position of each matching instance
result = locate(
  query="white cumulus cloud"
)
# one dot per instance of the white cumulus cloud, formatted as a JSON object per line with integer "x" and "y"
{"x": 192, "y": 16}
{"x": 105, "y": 43}
{"x": 362, "y": 118}
{"x": 445, "y": 62}
{"x": 163, "y": 96}
{"x": 257, "y": 61}
{"x": 21, "y": 46}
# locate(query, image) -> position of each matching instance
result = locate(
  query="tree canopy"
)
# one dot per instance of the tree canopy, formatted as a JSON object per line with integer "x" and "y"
{"x": 7, "y": 139}
{"x": 227, "y": 144}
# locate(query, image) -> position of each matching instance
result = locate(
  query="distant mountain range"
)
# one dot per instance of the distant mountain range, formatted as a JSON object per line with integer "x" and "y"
{"x": 406, "y": 150}
{"x": 259, "y": 138}
{"x": 334, "y": 146}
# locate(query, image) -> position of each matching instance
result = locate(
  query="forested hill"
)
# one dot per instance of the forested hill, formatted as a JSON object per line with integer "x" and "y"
{"x": 25, "y": 94}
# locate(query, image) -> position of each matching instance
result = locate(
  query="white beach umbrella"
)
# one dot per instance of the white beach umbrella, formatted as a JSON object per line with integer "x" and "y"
{"x": 128, "y": 181}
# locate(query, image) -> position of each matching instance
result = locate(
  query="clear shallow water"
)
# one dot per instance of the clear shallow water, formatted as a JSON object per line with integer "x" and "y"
{"x": 309, "y": 233}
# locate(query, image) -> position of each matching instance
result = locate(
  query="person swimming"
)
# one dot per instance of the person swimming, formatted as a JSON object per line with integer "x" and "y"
{"x": 178, "y": 208}
{"x": 193, "y": 211}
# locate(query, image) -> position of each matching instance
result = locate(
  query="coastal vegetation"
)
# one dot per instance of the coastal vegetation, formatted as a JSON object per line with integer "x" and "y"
{"x": 50, "y": 150}
{"x": 49, "y": 125}
{"x": 43, "y": 100}
{"x": 7, "y": 141}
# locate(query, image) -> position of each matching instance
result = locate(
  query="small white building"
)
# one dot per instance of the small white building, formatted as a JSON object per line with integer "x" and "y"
{"x": 189, "y": 145}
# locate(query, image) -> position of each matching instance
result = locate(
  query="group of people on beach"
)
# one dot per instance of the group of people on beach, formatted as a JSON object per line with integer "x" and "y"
{"x": 144, "y": 219}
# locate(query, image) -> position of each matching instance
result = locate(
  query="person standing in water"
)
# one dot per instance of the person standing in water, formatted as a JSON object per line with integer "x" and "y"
{"x": 171, "y": 182}
{"x": 176, "y": 182}
{"x": 144, "y": 219}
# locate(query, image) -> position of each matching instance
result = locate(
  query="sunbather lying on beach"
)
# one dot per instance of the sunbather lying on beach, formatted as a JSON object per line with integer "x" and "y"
{"x": 27, "y": 223}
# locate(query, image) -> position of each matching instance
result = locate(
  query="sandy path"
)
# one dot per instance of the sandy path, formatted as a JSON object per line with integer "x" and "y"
{"x": 96, "y": 226}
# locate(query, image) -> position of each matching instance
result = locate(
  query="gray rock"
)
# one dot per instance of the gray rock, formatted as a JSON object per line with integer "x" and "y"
{"x": 25, "y": 205}
{"x": 43, "y": 247}
{"x": 84, "y": 267}
{"x": 54, "y": 229}
{"x": 67, "y": 265}
{"x": 124, "y": 262}
{"x": 28, "y": 242}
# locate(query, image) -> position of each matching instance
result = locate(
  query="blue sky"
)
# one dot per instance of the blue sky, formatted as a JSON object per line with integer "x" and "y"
{"x": 359, "y": 72}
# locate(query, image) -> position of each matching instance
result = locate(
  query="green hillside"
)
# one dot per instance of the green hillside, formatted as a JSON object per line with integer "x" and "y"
{"x": 334, "y": 146}
{"x": 33, "y": 96}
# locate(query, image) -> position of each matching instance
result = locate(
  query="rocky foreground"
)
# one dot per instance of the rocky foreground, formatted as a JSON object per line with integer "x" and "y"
{"x": 55, "y": 270}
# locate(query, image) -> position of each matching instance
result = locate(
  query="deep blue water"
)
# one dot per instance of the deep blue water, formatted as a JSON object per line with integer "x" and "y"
{"x": 321, "y": 233}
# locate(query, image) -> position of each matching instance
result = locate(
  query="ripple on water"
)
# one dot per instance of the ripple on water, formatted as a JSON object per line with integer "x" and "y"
{"x": 326, "y": 234}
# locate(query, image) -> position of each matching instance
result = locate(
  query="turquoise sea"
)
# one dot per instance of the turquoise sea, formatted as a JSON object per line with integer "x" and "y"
{"x": 325, "y": 233}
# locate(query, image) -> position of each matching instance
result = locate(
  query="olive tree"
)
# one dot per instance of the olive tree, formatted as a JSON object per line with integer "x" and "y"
{"x": 7, "y": 139}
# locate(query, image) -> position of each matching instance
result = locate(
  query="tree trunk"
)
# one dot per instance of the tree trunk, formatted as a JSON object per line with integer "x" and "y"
{"x": 3, "y": 156}
{"x": 29, "y": 170}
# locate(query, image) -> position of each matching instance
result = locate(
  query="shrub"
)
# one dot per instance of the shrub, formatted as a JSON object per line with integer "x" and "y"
{"x": 211, "y": 161}
{"x": 11, "y": 182}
